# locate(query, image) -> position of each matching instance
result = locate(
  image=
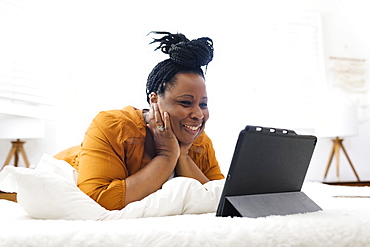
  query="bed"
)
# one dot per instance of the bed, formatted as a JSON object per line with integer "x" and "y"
{"x": 51, "y": 211}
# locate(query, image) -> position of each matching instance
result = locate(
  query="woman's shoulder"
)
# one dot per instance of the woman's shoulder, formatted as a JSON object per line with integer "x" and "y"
{"x": 128, "y": 111}
{"x": 126, "y": 114}
{"x": 128, "y": 117}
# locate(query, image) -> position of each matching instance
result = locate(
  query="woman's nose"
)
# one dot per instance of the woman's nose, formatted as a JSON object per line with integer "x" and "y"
{"x": 197, "y": 113}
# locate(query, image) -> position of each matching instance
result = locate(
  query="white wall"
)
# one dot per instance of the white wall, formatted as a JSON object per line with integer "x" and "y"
{"x": 344, "y": 25}
{"x": 96, "y": 56}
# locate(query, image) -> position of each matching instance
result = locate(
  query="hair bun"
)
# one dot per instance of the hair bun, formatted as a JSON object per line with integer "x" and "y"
{"x": 194, "y": 53}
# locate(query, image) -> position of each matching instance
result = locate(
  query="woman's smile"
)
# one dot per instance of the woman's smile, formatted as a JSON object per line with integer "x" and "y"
{"x": 192, "y": 129}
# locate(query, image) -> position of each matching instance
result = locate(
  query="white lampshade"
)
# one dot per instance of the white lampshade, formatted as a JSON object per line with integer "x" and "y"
{"x": 336, "y": 116}
{"x": 17, "y": 127}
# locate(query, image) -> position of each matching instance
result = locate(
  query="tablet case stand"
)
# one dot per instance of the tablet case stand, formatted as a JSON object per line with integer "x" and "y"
{"x": 262, "y": 205}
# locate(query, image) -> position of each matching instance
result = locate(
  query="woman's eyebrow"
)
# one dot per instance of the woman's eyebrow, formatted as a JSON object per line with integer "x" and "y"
{"x": 185, "y": 95}
{"x": 191, "y": 96}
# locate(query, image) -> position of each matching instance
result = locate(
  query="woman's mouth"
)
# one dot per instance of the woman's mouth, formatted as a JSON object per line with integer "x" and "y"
{"x": 192, "y": 128}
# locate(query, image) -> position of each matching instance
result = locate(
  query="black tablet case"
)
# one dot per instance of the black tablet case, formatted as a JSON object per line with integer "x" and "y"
{"x": 266, "y": 174}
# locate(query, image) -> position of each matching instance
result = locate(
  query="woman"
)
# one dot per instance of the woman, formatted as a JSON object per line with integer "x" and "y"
{"x": 128, "y": 154}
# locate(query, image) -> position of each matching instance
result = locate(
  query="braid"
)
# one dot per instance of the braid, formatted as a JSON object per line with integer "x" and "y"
{"x": 185, "y": 57}
{"x": 162, "y": 73}
{"x": 167, "y": 41}
{"x": 195, "y": 53}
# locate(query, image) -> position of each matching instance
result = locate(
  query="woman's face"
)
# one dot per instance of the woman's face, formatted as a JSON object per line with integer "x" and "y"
{"x": 186, "y": 103}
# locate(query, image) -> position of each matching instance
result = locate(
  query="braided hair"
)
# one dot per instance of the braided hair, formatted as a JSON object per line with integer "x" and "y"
{"x": 186, "y": 56}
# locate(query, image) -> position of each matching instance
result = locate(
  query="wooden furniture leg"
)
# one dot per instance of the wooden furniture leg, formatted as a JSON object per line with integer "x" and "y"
{"x": 23, "y": 153}
{"x": 329, "y": 161}
{"x": 350, "y": 162}
{"x": 17, "y": 148}
{"x": 337, "y": 145}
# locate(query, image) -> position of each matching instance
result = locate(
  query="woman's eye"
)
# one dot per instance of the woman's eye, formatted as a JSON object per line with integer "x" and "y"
{"x": 186, "y": 103}
{"x": 203, "y": 105}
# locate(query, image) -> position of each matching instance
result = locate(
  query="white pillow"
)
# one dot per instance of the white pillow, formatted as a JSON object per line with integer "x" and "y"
{"x": 48, "y": 195}
{"x": 50, "y": 192}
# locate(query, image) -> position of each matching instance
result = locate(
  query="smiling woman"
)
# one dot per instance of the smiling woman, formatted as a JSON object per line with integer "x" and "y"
{"x": 128, "y": 154}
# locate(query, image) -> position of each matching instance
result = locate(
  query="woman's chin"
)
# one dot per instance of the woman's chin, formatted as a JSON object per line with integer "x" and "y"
{"x": 189, "y": 138}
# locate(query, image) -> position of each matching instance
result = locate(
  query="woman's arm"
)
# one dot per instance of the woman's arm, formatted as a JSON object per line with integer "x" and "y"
{"x": 187, "y": 168}
{"x": 151, "y": 178}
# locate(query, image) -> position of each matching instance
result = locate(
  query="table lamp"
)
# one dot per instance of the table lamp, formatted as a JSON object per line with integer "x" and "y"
{"x": 337, "y": 119}
{"x": 18, "y": 129}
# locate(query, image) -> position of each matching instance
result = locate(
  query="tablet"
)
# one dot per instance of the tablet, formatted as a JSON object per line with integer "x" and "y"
{"x": 267, "y": 172}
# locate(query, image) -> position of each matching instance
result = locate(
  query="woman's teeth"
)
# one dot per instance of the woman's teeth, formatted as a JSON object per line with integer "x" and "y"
{"x": 193, "y": 127}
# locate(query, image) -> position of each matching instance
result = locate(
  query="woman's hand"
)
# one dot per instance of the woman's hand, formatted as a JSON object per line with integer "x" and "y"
{"x": 167, "y": 144}
{"x": 165, "y": 140}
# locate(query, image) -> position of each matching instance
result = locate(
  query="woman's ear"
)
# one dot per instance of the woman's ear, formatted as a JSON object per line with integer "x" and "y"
{"x": 153, "y": 98}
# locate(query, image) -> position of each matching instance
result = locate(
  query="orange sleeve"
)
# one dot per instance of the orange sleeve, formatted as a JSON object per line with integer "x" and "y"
{"x": 204, "y": 156}
{"x": 101, "y": 166}
{"x": 214, "y": 171}
{"x": 70, "y": 155}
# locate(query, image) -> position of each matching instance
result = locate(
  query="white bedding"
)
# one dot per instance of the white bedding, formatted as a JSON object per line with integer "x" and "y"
{"x": 50, "y": 192}
{"x": 344, "y": 221}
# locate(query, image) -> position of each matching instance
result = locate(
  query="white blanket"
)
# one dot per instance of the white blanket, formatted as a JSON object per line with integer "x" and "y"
{"x": 49, "y": 192}
{"x": 344, "y": 221}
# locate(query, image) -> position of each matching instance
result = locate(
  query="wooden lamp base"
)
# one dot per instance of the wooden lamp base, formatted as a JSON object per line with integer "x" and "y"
{"x": 337, "y": 145}
{"x": 16, "y": 150}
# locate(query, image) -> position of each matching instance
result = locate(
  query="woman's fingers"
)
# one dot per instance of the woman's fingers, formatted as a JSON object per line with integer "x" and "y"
{"x": 154, "y": 116}
{"x": 166, "y": 121}
{"x": 151, "y": 114}
{"x": 157, "y": 114}
{"x": 157, "y": 123}
{"x": 165, "y": 141}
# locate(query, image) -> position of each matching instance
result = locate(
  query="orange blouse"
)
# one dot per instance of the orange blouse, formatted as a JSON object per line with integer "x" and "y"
{"x": 113, "y": 149}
